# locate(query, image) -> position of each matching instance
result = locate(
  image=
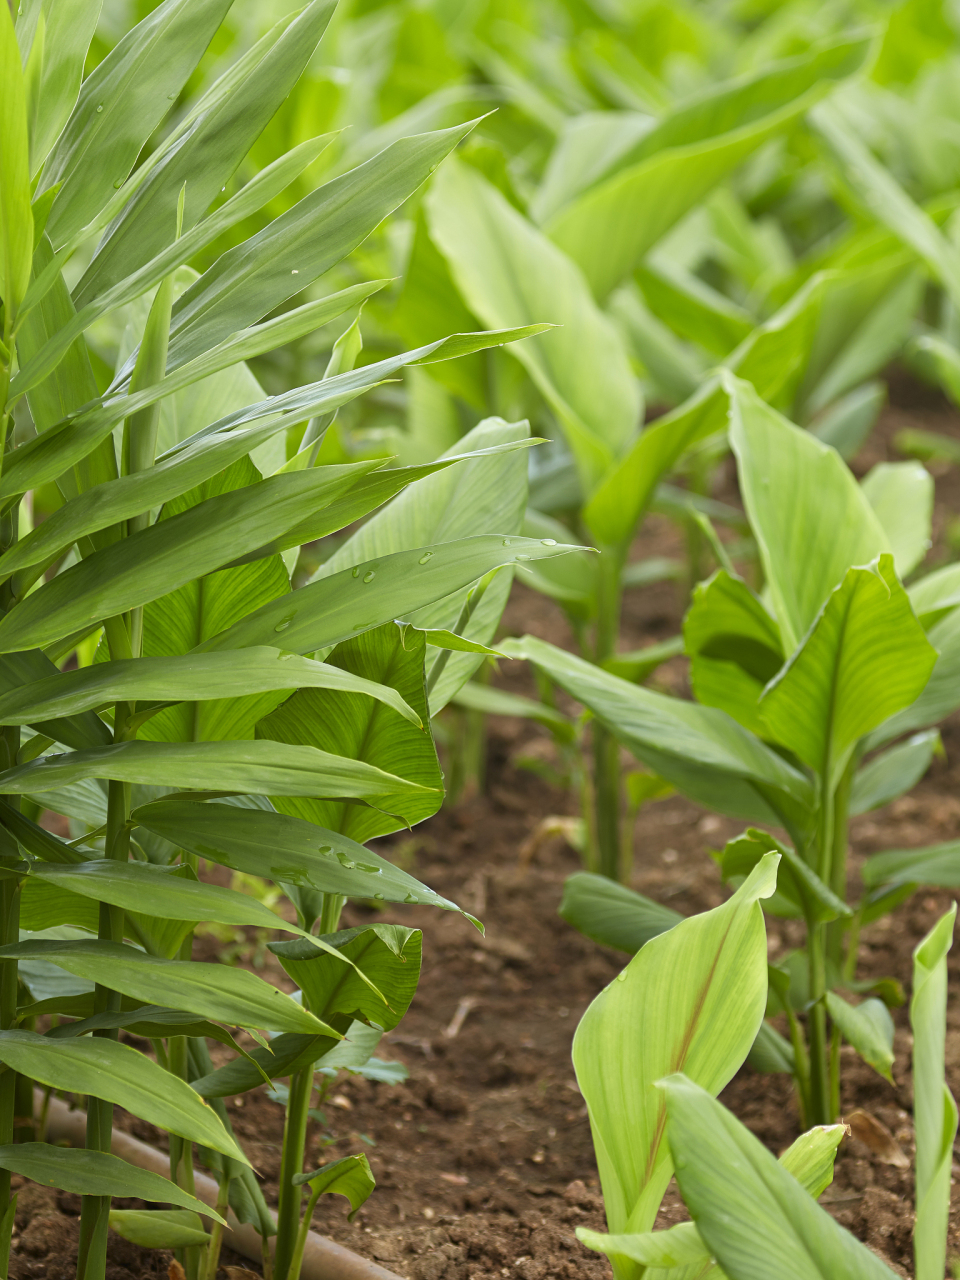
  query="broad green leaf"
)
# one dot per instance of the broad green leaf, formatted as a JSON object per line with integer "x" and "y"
{"x": 747, "y": 1207}
{"x": 205, "y": 159}
{"x": 864, "y": 659}
{"x": 351, "y": 1177}
{"x": 609, "y": 228}
{"x": 483, "y": 494}
{"x": 637, "y": 664}
{"x": 110, "y": 1070}
{"x": 590, "y": 145}
{"x": 937, "y": 864}
{"x": 810, "y": 1158}
{"x": 388, "y": 955}
{"x": 893, "y": 772}
{"x": 934, "y": 1110}
{"x": 330, "y": 610}
{"x": 936, "y": 594}
{"x": 804, "y": 553}
{"x": 772, "y": 358}
{"x": 135, "y": 885}
{"x": 868, "y": 1027}
{"x": 75, "y": 728}
{"x": 121, "y": 103}
{"x": 692, "y": 997}
{"x": 887, "y": 201}
{"x": 219, "y": 992}
{"x": 771, "y": 1053}
{"x": 254, "y": 278}
{"x": 349, "y": 724}
{"x": 510, "y": 274}
{"x": 612, "y": 914}
{"x": 701, "y": 750}
{"x": 692, "y": 308}
{"x": 166, "y": 555}
{"x": 69, "y": 27}
{"x": 848, "y": 422}
{"x": 280, "y": 847}
{"x": 734, "y": 647}
{"x": 796, "y": 881}
{"x": 159, "y": 1228}
{"x": 95, "y": 1173}
{"x": 497, "y": 702}
{"x": 901, "y": 494}
{"x": 941, "y": 694}
{"x": 193, "y": 677}
{"x": 16, "y": 216}
{"x": 254, "y": 767}
{"x": 287, "y": 1054}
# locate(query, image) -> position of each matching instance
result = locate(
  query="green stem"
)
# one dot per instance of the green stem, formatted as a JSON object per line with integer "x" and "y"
{"x": 216, "y": 1229}
{"x": 837, "y": 929}
{"x": 817, "y": 1027}
{"x": 291, "y": 1163}
{"x": 606, "y": 749}
{"x": 297, "y": 1261}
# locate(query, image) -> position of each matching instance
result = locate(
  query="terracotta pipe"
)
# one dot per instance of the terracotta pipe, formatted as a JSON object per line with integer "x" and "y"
{"x": 322, "y": 1258}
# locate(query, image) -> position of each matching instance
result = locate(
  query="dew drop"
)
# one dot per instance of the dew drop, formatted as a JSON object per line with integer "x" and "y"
{"x": 118, "y": 184}
{"x": 373, "y": 871}
{"x": 427, "y": 555}
{"x": 548, "y": 542}
{"x": 369, "y": 577}
{"x": 523, "y": 557}
{"x": 100, "y": 108}
{"x": 622, "y": 976}
{"x": 506, "y": 542}
{"x": 345, "y": 861}
{"x": 326, "y": 850}
{"x": 294, "y": 272}
{"x": 378, "y": 897}
{"x": 356, "y": 573}
{"x": 285, "y": 622}
{"x": 411, "y": 897}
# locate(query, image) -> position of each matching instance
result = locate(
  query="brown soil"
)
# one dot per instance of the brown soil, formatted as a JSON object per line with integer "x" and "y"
{"x": 483, "y": 1157}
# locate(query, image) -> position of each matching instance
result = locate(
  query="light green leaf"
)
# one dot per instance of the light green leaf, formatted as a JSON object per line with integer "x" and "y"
{"x": 934, "y": 1110}
{"x": 110, "y": 1070}
{"x": 747, "y": 1206}
{"x": 351, "y": 1177}
{"x": 80, "y": 729}
{"x": 612, "y": 914}
{"x": 691, "y": 307}
{"x": 219, "y": 992}
{"x": 936, "y": 594}
{"x": 193, "y": 677}
{"x": 810, "y": 1158}
{"x": 937, "y": 864}
{"x": 868, "y": 1027}
{"x": 901, "y": 494}
{"x": 16, "y": 216}
{"x": 159, "y": 1228}
{"x": 121, "y": 103}
{"x": 886, "y": 199}
{"x": 692, "y": 997}
{"x": 253, "y": 767}
{"x": 347, "y": 724}
{"x": 497, "y": 702}
{"x": 893, "y": 772}
{"x": 69, "y": 27}
{"x": 330, "y": 610}
{"x": 796, "y": 882}
{"x": 95, "y": 1173}
{"x": 864, "y": 659}
{"x": 701, "y": 750}
{"x": 804, "y": 553}
{"x": 510, "y": 274}
{"x": 940, "y": 696}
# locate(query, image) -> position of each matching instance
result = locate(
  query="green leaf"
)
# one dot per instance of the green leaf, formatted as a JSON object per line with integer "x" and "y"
{"x": 864, "y": 659}
{"x": 354, "y": 726}
{"x": 280, "y": 847}
{"x": 110, "y": 1070}
{"x": 796, "y": 881}
{"x": 810, "y": 1158}
{"x": 609, "y": 228}
{"x": 934, "y": 1110}
{"x": 219, "y": 992}
{"x": 193, "y": 677}
{"x": 692, "y": 308}
{"x": 285, "y": 1056}
{"x": 16, "y": 216}
{"x": 497, "y": 702}
{"x": 940, "y": 696}
{"x": 330, "y": 610}
{"x": 95, "y": 1173}
{"x": 75, "y": 729}
{"x": 164, "y": 556}
{"x": 747, "y": 1207}
{"x": 700, "y": 750}
{"x": 510, "y": 274}
{"x": 887, "y": 201}
{"x": 159, "y": 1228}
{"x": 121, "y": 103}
{"x": 901, "y": 494}
{"x": 692, "y": 997}
{"x": 936, "y": 594}
{"x": 868, "y": 1027}
{"x": 937, "y": 864}
{"x": 771, "y": 1053}
{"x": 804, "y": 554}
{"x": 893, "y": 772}
{"x": 69, "y": 28}
{"x": 252, "y": 767}
{"x": 637, "y": 664}
{"x": 351, "y": 1177}
{"x": 612, "y": 914}
{"x": 205, "y": 159}
{"x": 389, "y": 956}
{"x": 734, "y": 647}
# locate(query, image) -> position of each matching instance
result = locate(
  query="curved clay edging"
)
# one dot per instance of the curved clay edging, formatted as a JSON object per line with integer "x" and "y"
{"x": 322, "y": 1258}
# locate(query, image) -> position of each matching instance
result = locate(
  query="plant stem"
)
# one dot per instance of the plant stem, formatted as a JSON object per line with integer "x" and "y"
{"x": 301, "y": 1244}
{"x": 291, "y": 1163}
{"x": 817, "y": 1027}
{"x": 838, "y": 929}
{"x": 606, "y": 749}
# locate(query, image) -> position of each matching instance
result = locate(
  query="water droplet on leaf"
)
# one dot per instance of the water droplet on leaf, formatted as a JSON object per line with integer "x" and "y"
{"x": 411, "y": 897}
{"x": 356, "y": 573}
{"x": 427, "y": 555}
{"x": 100, "y": 108}
{"x": 369, "y": 577}
{"x": 548, "y": 542}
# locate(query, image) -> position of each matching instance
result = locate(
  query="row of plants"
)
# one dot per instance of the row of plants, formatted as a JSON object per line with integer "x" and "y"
{"x": 204, "y": 658}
